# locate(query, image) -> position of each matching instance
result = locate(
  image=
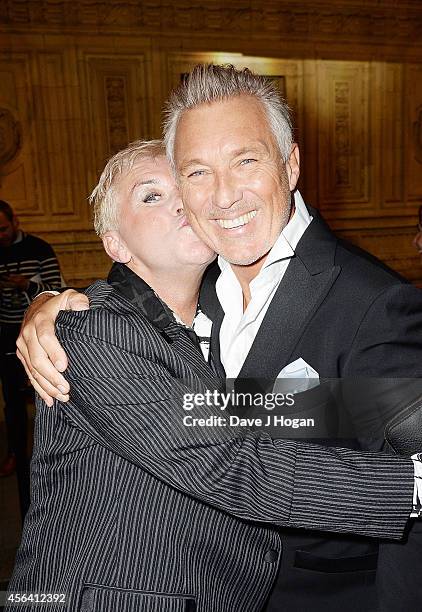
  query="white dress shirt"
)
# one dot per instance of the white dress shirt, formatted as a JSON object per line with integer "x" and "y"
{"x": 239, "y": 328}
{"x": 202, "y": 326}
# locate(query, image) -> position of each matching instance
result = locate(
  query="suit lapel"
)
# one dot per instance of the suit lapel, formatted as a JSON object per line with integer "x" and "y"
{"x": 308, "y": 279}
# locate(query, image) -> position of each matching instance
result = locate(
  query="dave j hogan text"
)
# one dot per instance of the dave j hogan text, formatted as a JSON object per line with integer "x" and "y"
{"x": 270, "y": 420}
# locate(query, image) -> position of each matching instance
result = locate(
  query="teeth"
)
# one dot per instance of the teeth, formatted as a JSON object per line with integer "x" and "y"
{"x": 231, "y": 223}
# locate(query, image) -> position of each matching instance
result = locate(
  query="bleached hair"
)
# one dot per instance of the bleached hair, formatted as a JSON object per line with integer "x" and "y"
{"x": 208, "y": 83}
{"x": 103, "y": 198}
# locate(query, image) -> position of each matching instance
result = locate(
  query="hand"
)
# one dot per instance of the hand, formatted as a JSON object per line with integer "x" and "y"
{"x": 14, "y": 281}
{"x": 38, "y": 348}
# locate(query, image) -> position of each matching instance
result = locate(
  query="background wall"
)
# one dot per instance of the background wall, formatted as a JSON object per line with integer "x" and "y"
{"x": 79, "y": 79}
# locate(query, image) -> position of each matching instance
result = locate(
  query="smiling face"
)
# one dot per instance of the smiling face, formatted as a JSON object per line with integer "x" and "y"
{"x": 153, "y": 233}
{"x": 234, "y": 184}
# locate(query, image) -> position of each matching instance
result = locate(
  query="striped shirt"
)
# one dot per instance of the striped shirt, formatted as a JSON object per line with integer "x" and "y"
{"x": 35, "y": 259}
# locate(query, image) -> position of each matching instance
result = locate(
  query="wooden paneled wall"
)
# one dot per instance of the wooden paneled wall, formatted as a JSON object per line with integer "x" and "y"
{"x": 81, "y": 79}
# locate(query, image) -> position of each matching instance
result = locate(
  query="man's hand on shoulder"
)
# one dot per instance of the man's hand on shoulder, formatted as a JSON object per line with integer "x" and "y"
{"x": 38, "y": 348}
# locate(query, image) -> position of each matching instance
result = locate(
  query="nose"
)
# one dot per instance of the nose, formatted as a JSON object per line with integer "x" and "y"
{"x": 226, "y": 191}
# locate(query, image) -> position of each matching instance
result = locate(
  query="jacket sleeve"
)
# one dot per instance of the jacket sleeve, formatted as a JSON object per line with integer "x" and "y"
{"x": 134, "y": 407}
{"x": 383, "y": 369}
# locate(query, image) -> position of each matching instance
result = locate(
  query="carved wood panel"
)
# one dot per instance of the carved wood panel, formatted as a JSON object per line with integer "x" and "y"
{"x": 371, "y": 20}
{"x": 62, "y": 176}
{"x": 117, "y": 101}
{"x": 413, "y": 130}
{"x": 19, "y": 170}
{"x": 83, "y": 78}
{"x": 390, "y": 153}
{"x": 344, "y": 136}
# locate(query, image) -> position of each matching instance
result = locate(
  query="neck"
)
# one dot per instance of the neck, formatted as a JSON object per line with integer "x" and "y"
{"x": 178, "y": 289}
{"x": 245, "y": 275}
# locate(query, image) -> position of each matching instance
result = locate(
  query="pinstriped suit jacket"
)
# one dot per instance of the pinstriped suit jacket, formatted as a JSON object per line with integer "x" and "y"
{"x": 133, "y": 511}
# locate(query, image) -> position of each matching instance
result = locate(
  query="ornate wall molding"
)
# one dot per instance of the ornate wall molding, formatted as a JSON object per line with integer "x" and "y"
{"x": 10, "y": 136}
{"x": 372, "y": 20}
{"x": 85, "y": 77}
{"x": 116, "y": 110}
{"x": 344, "y": 129}
{"x": 117, "y": 98}
{"x": 417, "y": 135}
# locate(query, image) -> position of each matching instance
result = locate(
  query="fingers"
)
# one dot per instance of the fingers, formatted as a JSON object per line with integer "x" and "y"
{"x": 39, "y": 349}
{"x": 76, "y": 301}
{"x": 42, "y": 386}
{"x": 45, "y": 352}
{"x": 37, "y": 340}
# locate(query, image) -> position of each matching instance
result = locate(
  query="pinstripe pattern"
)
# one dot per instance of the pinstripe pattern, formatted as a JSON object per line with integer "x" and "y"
{"x": 116, "y": 480}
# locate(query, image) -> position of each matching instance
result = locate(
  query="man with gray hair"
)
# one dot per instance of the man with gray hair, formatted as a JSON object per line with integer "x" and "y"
{"x": 292, "y": 298}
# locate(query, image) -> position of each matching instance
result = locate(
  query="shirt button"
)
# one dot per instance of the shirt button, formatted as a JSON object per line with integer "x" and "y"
{"x": 271, "y": 556}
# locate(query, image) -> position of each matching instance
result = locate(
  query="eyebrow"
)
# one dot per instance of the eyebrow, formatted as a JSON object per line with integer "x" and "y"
{"x": 251, "y": 149}
{"x": 192, "y": 162}
{"x": 152, "y": 181}
{"x": 244, "y": 150}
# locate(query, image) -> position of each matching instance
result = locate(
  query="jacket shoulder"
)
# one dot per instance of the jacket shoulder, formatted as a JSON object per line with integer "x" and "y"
{"x": 110, "y": 318}
{"x": 357, "y": 259}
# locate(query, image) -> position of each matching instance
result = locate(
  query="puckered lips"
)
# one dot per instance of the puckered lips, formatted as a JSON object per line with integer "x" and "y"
{"x": 183, "y": 222}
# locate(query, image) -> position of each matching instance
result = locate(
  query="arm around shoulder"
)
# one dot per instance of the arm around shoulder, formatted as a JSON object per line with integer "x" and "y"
{"x": 131, "y": 404}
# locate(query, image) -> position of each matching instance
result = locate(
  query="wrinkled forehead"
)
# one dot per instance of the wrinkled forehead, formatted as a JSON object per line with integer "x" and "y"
{"x": 140, "y": 168}
{"x": 144, "y": 172}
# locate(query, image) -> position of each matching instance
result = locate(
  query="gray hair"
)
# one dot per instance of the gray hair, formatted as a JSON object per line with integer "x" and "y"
{"x": 103, "y": 198}
{"x": 208, "y": 83}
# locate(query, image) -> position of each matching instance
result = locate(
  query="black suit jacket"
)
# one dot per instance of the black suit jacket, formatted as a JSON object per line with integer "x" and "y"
{"x": 131, "y": 510}
{"x": 350, "y": 318}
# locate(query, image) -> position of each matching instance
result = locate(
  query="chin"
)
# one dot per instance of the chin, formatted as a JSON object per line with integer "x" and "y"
{"x": 245, "y": 257}
{"x": 200, "y": 256}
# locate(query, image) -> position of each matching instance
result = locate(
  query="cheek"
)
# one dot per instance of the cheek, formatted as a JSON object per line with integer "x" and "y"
{"x": 141, "y": 227}
{"x": 266, "y": 183}
{"x": 193, "y": 198}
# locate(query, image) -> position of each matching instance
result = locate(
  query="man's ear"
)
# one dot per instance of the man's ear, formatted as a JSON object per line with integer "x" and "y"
{"x": 292, "y": 166}
{"x": 115, "y": 247}
{"x": 15, "y": 222}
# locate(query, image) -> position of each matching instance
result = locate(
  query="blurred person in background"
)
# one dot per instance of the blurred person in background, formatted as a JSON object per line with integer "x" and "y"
{"x": 417, "y": 241}
{"x": 28, "y": 265}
